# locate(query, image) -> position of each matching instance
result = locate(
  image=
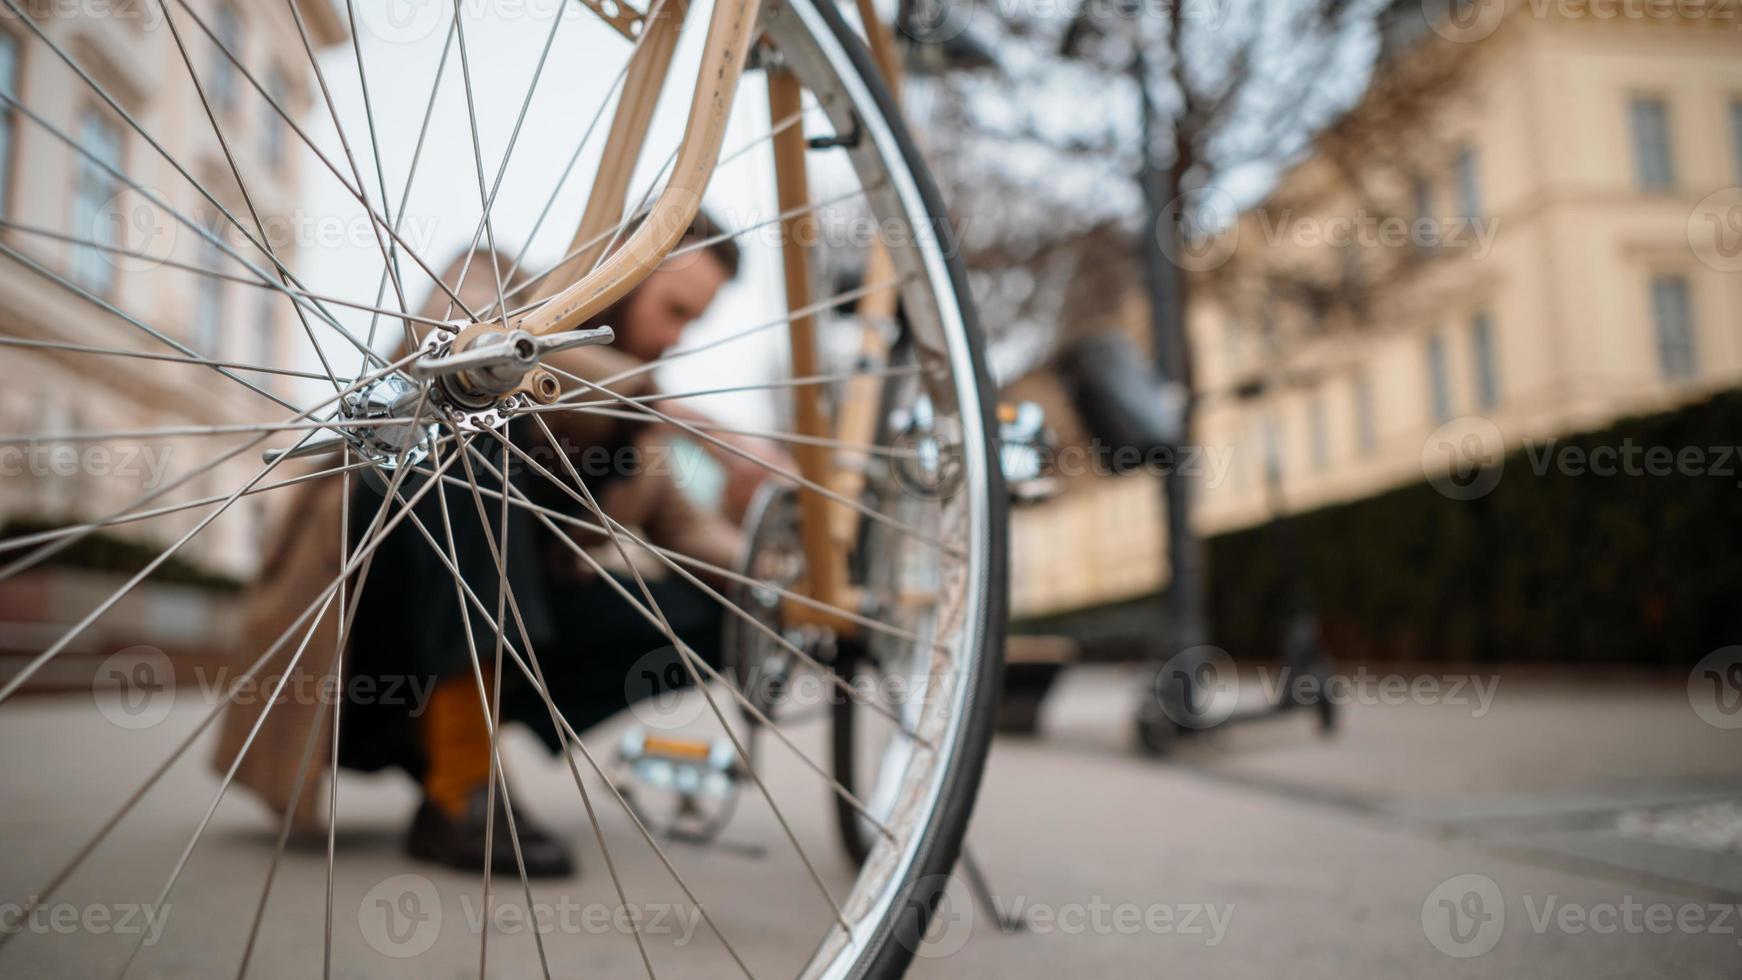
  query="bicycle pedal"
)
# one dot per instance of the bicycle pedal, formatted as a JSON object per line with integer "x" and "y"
{"x": 687, "y": 766}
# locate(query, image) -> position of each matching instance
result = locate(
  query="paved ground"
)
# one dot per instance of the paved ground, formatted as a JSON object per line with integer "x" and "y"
{"x": 1563, "y": 830}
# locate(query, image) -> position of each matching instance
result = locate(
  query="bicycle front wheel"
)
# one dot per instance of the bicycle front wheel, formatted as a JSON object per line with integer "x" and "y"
{"x": 438, "y": 139}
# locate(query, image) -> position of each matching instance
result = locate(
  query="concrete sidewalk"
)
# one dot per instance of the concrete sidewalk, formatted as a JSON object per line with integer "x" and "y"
{"x": 1567, "y": 831}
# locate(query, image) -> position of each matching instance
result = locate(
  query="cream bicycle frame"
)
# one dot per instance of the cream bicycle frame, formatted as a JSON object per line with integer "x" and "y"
{"x": 828, "y": 532}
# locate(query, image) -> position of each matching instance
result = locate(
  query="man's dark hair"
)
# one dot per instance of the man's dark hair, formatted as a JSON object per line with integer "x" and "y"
{"x": 719, "y": 242}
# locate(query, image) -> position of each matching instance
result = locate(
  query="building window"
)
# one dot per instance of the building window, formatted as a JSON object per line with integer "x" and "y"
{"x": 1672, "y": 312}
{"x": 1366, "y": 434}
{"x": 1318, "y": 433}
{"x": 221, "y": 80}
{"x": 1423, "y": 232}
{"x": 1652, "y": 153}
{"x": 8, "y": 85}
{"x": 1736, "y": 138}
{"x": 208, "y": 299}
{"x": 266, "y": 328}
{"x": 1439, "y": 379}
{"x": 272, "y": 132}
{"x": 96, "y": 216}
{"x": 1482, "y": 357}
{"x": 1469, "y": 184}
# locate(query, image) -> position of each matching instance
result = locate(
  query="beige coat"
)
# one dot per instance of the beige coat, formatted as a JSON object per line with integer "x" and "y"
{"x": 303, "y": 556}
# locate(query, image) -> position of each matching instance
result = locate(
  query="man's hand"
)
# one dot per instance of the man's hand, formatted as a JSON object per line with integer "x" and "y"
{"x": 743, "y": 475}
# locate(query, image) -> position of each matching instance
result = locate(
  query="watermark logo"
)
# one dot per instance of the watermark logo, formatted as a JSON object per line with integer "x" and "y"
{"x": 402, "y": 21}
{"x": 1715, "y": 230}
{"x": 401, "y": 917}
{"x": 142, "y": 462}
{"x": 1464, "y": 458}
{"x": 956, "y": 913}
{"x": 135, "y": 688}
{"x": 1464, "y": 21}
{"x": 1198, "y": 687}
{"x": 68, "y": 919}
{"x": 1715, "y": 688}
{"x": 927, "y": 460}
{"x": 952, "y": 919}
{"x": 1199, "y": 232}
{"x": 141, "y": 235}
{"x": 1464, "y": 916}
{"x": 658, "y": 689}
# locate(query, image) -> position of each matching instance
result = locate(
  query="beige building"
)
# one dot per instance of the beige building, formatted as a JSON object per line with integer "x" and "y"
{"x": 59, "y": 207}
{"x": 1530, "y": 226}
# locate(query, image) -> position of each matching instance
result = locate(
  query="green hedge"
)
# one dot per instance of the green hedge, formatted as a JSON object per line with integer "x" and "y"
{"x": 101, "y": 551}
{"x": 1636, "y": 569}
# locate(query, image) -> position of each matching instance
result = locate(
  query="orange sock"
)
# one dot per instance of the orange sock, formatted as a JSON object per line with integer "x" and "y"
{"x": 456, "y": 742}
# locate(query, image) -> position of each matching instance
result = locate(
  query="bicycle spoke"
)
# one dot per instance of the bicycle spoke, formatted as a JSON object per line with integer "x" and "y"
{"x": 252, "y": 283}
{"x": 411, "y": 172}
{"x": 133, "y": 124}
{"x": 333, "y": 760}
{"x": 507, "y": 154}
{"x": 242, "y": 185}
{"x": 690, "y": 659}
{"x": 184, "y": 431}
{"x": 771, "y": 435}
{"x": 586, "y": 135}
{"x": 613, "y": 529}
{"x": 287, "y": 821}
{"x": 809, "y": 380}
{"x": 634, "y": 214}
{"x": 27, "y": 540}
{"x": 107, "y": 307}
{"x": 153, "y": 356}
{"x": 20, "y": 564}
{"x": 379, "y": 535}
{"x": 846, "y": 296}
{"x": 196, "y": 227}
{"x": 497, "y": 545}
{"x": 376, "y": 222}
{"x": 780, "y": 471}
{"x": 375, "y": 152}
{"x": 566, "y": 732}
{"x": 719, "y": 570}
{"x": 322, "y": 600}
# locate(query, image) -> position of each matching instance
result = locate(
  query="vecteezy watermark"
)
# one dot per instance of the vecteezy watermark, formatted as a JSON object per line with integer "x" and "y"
{"x": 569, "y": 917}
{"x": 145, "y": 12}
{"x": 1715, "y": 688}
{"x": 1373, "y": 231}
{"x": 138, "y": 687}
{"x": 48, "y": 458}
{"x": 659, "y": 689}
{"x": 134, "y": 688}
{"x": 775, "y": 685}
{"x": 1465, "y": 459}
{"x": 403, "y": 917}
{"x": 68, "y": 919}
{"x": 1465, "y": 916}
{"x": 1728, "y": 11}
{"x": 1715, "y": 229}
{"x": 955, "y": 916}
{"x": 1199, "y": 687}
{"x": 1464, "y": 21}
{"x": 139, "y": 235}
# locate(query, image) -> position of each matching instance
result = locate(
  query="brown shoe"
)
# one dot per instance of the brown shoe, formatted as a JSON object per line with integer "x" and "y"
{"x": 458, "y": 842}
